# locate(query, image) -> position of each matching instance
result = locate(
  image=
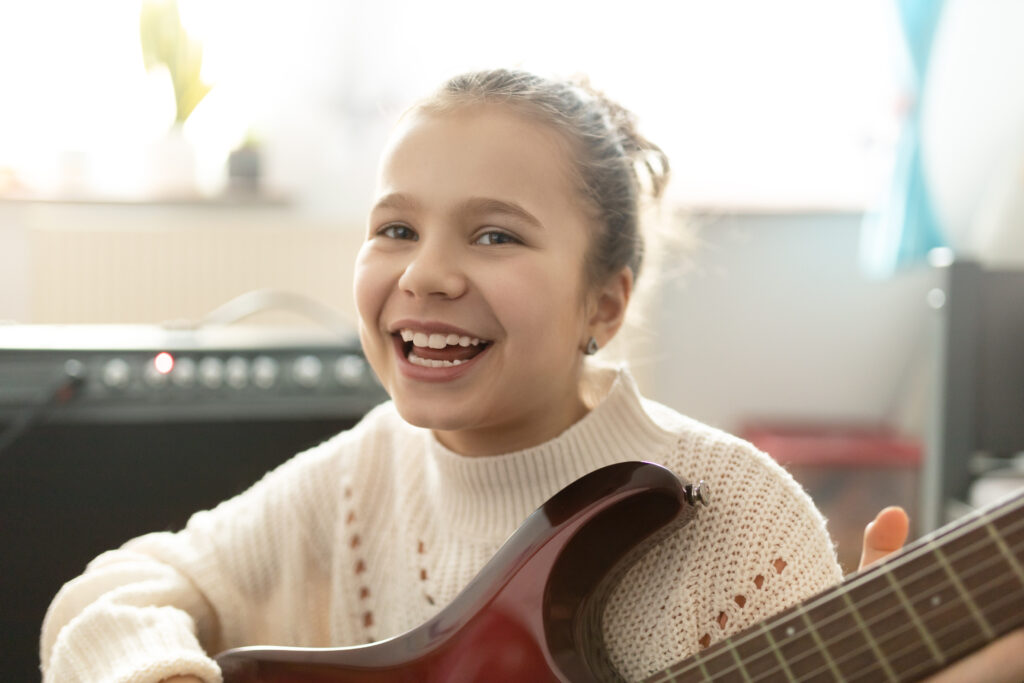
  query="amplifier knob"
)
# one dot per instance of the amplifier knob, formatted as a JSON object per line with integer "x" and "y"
{"x": 307, "y": 371}
{"x": 154, "y": 377}
{"x": 184, "y": 372}
{"x": 117, "y": 373}
{"x": 350, "y": 370}
{"x": 237, "y": 372}
{"x": 211, "y": 372}
{"x": 264, "y": 371}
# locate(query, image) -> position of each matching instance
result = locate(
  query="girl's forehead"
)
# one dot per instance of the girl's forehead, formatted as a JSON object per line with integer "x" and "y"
{"x": 484, "y": 127}
{"x": 476, "y": 144}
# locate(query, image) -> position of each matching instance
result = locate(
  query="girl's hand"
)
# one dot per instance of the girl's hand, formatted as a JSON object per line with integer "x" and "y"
{"x": 999, "y": 662}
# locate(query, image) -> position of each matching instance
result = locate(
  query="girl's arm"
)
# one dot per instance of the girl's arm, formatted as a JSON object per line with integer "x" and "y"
{"x": 161, "y": 604}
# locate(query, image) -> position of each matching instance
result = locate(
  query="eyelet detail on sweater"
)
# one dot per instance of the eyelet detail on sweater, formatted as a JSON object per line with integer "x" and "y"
{"x": 778, "y": 564}
{"x": 421, "y": 549}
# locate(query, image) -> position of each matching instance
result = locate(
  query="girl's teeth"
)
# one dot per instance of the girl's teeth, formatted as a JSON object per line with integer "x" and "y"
{"x": 429, "y": 363}
{"x": 437, "y": 341}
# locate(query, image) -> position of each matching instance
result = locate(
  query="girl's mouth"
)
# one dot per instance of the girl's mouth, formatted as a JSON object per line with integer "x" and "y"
{"x": 433, "y": 350}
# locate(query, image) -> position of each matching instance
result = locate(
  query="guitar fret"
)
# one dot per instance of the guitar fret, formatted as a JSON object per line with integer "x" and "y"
{"x": 821, "y": 646}
{"x": 943, "y": 598}
{"x": 925, "y": 634}
{"x": 739, "y": 662}
{"x": 778, "y": 653}
{"x": 1005, "y": 550}
{"x": 964, "y": 594}
{"x": 882, "y": 660}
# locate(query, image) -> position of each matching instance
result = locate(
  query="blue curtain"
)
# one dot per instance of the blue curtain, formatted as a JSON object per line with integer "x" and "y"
{"x": 906, "y": 227}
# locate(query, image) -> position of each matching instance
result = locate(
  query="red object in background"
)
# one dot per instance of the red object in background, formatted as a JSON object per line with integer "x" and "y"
{"x": 834, "y": 446}
{"x": 851, "y": 472}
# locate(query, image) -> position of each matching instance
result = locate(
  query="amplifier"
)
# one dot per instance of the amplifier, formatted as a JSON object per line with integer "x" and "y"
{"x": 108, "y": 432}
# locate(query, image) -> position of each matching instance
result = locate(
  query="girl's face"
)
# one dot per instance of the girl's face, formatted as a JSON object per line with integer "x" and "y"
{"x": 470, "y": 285}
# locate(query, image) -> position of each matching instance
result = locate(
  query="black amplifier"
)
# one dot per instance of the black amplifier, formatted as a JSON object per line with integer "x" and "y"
{"x": 108, "y": 432}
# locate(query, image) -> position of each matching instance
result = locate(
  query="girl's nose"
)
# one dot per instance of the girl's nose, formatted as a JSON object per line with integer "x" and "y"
{"x": 433, "y": 270}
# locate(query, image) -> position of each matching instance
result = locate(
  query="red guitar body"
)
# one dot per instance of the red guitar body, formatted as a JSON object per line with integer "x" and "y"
{"x": 534, "y": 611}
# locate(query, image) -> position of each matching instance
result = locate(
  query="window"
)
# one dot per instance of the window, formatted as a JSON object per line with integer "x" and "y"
{"x": 789, "y": 103}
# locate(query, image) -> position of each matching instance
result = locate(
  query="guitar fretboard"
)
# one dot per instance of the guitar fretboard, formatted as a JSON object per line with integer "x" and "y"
{"x": 941, "y": 598}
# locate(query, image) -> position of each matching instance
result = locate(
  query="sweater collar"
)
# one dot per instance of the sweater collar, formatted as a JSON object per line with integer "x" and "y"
{"x": 489, "y": 497}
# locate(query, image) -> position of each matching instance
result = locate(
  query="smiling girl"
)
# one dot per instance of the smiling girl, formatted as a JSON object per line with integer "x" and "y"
{"x": 501, "y": 252}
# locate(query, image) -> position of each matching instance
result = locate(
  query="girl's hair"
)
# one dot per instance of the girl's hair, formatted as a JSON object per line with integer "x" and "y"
{"x": 610, "y": 153}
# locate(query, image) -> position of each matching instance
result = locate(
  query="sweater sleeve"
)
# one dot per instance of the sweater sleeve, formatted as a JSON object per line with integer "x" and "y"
{"x": 157, "y": 606}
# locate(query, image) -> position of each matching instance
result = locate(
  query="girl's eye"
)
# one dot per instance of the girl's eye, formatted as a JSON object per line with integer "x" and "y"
{"x": 397, "y": 231}
{"x": 494, "y": 237}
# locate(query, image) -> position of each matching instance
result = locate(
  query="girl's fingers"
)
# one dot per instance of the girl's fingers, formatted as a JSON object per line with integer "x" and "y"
{"x": 885, "y": 535}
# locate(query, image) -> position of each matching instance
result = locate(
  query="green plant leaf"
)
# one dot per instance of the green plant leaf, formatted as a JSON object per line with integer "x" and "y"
{"x": 166, "y": 43}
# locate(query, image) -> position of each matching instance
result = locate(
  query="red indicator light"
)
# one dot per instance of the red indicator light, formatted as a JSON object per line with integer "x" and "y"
{"x": 164, "y": 362}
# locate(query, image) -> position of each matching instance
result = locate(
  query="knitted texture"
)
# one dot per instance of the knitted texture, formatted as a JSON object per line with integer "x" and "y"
{"x": 374, "y": 531}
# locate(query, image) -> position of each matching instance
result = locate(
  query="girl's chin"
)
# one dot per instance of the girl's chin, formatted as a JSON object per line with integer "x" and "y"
{"x": 428, "y": 414}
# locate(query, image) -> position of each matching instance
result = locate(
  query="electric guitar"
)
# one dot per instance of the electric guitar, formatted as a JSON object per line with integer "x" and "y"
{"x": 534, "y": 611}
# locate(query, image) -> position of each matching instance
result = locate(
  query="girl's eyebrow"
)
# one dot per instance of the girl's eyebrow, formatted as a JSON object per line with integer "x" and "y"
{"x": 395, "y": 200}
{"x": 483, "y": 205}
{"x": 489, "y": 205}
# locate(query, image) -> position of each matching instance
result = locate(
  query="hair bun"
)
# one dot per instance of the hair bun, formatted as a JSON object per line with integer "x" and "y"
{"x": 622, "y": 121}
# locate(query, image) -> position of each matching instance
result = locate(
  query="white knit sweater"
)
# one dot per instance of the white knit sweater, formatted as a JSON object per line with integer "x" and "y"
{"x": 374, "y": 531}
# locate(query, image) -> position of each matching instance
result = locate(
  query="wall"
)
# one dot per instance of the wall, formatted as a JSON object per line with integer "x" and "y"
{"x": 146, "y": 263}
{"x": 772, "y": 318}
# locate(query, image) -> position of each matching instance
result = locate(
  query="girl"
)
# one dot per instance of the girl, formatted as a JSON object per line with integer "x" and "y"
{"x": 501, "y": 251}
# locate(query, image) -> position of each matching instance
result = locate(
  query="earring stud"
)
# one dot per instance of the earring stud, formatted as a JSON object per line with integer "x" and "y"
{"x": 591, "y": 347}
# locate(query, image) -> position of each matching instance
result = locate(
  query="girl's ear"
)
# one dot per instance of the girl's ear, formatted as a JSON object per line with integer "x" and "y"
{"x": 609, "y": 307}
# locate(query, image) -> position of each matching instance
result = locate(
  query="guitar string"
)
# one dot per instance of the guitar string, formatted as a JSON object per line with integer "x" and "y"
{"x": 972, "y": 523}
{"x": 893, "y": 633}
{"x": 690, "y": 666}
{"x": 878, "y": 594}
{"x": 971, "y": 646}
{"x": 849, "y": 587}
{"x": 882, "y": 616}
{"x": 917, "y": 644}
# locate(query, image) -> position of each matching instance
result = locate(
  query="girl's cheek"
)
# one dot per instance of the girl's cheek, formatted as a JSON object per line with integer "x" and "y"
{"x": 368, "y": 288}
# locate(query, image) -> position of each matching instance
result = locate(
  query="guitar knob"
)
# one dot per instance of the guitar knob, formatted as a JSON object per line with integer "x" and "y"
{"x": 698, "y": 493}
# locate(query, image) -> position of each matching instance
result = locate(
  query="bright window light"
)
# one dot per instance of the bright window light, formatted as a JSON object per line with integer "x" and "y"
{"x": 792, "y": 103}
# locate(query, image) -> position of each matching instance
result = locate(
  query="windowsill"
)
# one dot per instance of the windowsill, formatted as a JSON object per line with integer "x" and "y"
{"x": 228, "y": 200}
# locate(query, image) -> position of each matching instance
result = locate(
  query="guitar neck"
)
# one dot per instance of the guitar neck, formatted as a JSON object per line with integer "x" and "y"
{"x": 939, "y": 599}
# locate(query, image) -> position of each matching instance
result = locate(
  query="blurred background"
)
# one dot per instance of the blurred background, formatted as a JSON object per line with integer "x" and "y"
{"x": 842, "y": 284}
